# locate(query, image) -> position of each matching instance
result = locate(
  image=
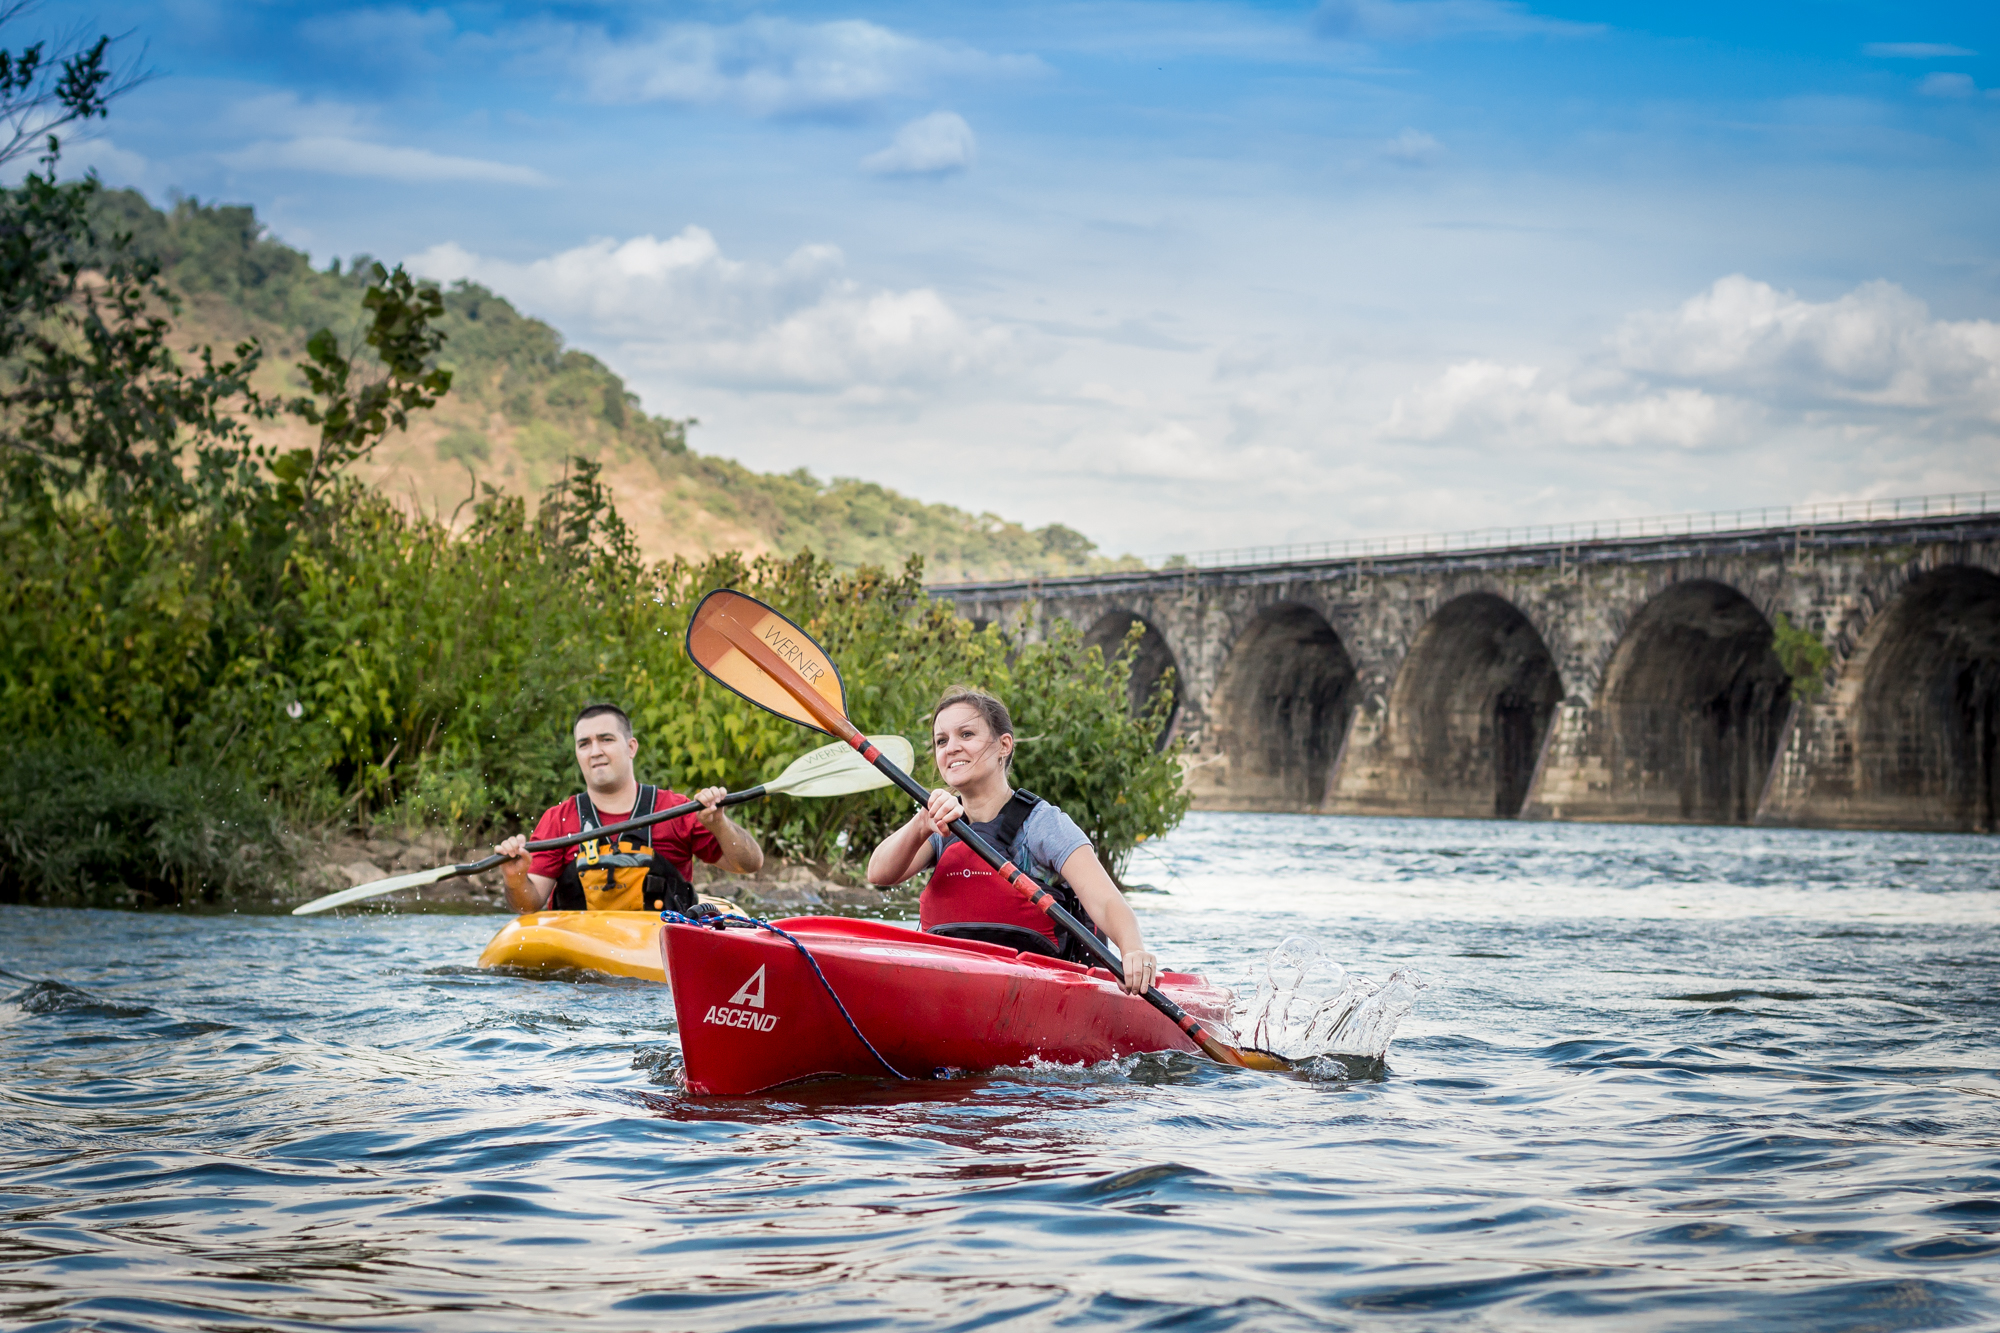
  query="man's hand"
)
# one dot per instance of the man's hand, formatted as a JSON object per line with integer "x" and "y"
{"x": 515, "y": 849}
{"x": 711, "y": 814}
{"x": 740, "y": 853}
{"x": 523, "y": 893}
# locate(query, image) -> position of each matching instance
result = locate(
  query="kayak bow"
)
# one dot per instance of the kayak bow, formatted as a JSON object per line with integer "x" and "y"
{"x": 624, "y": 944}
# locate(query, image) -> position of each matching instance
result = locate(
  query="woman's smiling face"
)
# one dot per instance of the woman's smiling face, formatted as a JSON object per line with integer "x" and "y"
{"x": 965, "y": 748}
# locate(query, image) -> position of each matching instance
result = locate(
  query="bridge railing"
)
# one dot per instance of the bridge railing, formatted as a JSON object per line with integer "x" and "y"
{"x": 1551, "y": 534}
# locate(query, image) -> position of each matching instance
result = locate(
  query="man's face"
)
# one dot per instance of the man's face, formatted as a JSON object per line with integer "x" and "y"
{"x": 604, "y": 753}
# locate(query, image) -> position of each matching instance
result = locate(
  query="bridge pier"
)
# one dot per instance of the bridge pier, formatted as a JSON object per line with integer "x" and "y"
{"x": 1633, "y": 679}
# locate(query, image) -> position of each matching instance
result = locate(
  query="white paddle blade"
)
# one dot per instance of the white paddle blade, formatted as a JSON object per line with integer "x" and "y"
{"x": 416, "y": 879}
{"x": 839, "y": 770}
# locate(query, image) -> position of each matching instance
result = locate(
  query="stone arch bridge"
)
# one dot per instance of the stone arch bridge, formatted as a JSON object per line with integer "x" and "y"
{"x": 1632, "y": 678}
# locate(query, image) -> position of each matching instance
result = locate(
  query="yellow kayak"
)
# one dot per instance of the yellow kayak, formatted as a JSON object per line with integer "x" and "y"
{"x": 625, "y": 944}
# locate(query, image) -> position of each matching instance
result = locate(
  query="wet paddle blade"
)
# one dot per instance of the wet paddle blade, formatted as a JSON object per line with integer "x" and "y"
{"x": 416, "y": 879}
{"x": 725, "y": 615}
{"x": 1265, "y": 1061}
{"x": 839, "y": 770}
{"x": 1247, "y": 1057}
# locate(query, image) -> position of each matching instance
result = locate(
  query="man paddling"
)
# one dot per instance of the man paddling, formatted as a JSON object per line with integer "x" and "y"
{"x": 646, "y": 869}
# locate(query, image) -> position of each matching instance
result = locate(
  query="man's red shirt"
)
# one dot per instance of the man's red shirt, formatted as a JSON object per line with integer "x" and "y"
{"x": 678, "y": 840}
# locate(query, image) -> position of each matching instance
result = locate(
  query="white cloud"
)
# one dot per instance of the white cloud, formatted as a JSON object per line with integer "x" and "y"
{"x": 1742, "y": 393}
{"x": 117, "y": 166}
{"x": 1732, "y": 367}
{"x": 931, "y": 145}
{"x": 338, "y": 155}
{"x": 1434, "y": 20}
{"x": 283, "y": 115}
{"x": 1413, "y": 148}
{"x": 385, "y": 34}
{"x": 1948, "y": 85}
{"x": 1502, "y": 403}
{"x": 288, "y": 133}
{"x": 1915, "y": 50}
{"x": 766, "y": 66}
{"x": 681, "y": 310}
{"x": 1876, "y": 346}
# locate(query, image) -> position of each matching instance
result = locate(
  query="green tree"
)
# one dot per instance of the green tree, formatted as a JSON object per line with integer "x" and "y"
{"x": 1080, "y": 746}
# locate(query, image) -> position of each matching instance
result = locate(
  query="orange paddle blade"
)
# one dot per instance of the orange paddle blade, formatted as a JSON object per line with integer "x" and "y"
{"x": 742, "y": 643}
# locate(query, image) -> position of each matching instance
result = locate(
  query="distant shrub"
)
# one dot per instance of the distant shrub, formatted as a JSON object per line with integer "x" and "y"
{"x": 544, "y": 442}
{"x": 1802, "y": 655}
{"x": 465, "y": 443}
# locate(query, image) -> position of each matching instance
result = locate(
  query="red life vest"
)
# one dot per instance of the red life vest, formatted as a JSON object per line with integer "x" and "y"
{"x": 964, "y": 889}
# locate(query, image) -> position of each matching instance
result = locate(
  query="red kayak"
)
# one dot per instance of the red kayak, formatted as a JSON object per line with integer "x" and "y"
{"x": 754, "y": 1015}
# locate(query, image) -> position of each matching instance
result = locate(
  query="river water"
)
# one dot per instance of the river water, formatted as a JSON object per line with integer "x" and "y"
{"x": 1665, "y": 1078}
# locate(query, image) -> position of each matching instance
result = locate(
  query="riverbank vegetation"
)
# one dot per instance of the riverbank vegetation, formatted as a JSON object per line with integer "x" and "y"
{"x": 217, "y": 640}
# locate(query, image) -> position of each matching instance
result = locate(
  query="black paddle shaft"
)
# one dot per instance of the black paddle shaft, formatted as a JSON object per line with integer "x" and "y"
{"x": 609, "y": 830}
{"x": 962, "y": 829}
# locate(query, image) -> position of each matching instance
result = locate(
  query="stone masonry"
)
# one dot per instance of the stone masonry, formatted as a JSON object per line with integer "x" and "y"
{"x": 1631, "y": 679}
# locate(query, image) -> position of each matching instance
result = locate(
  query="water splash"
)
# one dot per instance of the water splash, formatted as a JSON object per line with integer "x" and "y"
{"x": 1307, "y": 1005}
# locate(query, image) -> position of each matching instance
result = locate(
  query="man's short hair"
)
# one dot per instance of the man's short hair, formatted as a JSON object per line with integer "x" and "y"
{"x": 605, "y": 710}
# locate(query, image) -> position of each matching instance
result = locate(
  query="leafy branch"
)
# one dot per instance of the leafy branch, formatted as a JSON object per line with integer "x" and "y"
{"x": 352, "y": 415}
{"x": 42, "y": 90}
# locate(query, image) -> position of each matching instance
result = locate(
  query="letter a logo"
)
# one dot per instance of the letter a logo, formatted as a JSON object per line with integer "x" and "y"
{"x": 751, "y": 992}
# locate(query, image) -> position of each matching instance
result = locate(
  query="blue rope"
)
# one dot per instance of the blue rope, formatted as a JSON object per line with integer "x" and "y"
{"x": 796, "y": 943}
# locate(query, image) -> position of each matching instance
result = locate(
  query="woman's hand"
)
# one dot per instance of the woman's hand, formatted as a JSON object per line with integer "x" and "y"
{"x": 942, "y": 810}
{"x": 1142, "y": 969}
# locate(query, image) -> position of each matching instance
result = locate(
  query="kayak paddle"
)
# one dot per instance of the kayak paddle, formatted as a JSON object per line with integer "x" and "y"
{"x": 751, "y": 649}
{"x": 831, "y": 770}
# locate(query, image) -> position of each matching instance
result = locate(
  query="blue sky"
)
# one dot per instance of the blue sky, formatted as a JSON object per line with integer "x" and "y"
{"x": 1180, "y": 275}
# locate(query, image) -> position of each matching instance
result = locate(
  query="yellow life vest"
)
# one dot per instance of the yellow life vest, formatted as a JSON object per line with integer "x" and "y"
{"x": 621, "y": 874}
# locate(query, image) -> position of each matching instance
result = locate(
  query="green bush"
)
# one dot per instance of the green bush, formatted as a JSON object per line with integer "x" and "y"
{"x": 1802, "y": 655}
{"x": 85, "y": 825}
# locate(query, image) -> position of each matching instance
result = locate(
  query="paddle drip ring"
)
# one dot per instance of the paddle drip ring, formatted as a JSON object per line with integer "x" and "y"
{"x": 720, "y": 917}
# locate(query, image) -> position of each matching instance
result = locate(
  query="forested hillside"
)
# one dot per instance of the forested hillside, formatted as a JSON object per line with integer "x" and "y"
{"x": 522, "y": 404}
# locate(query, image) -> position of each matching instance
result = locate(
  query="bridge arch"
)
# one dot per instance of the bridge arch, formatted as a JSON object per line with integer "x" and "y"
{"x": 1928, "y": 714}
{"x": 1695, "y": 701}
{"x": 1155, "y": 657}
{"x": 1281, "y": 708}
{"x": 1472, "y": 703}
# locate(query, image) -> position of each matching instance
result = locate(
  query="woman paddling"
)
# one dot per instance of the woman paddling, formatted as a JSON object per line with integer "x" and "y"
{"x": 972, "y": 741}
